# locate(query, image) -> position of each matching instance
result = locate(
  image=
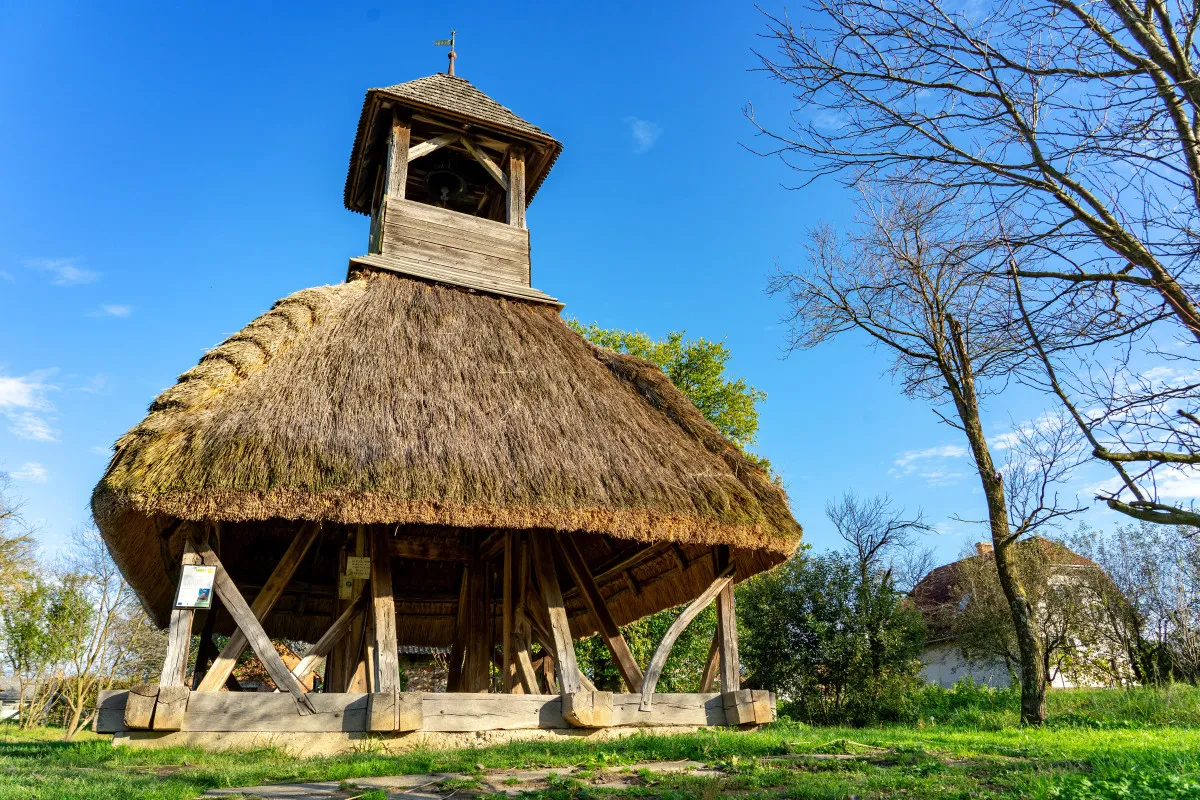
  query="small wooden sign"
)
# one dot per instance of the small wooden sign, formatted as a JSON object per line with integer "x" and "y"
{"x": 195, "y": 586}
{"x": 358, "y": 567}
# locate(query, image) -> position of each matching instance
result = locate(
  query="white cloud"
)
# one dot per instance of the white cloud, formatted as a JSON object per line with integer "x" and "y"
{"x": 644, "y": 133}
{"x": 23, "y": 400}
{"x": 930, "y": 464}
{"x": 30, "y": 426}
{"x": 31, "y": 472}
{"x": 64, "y": 271}
{"x": 112, "y": 310}
{"x": 6, "y": 276}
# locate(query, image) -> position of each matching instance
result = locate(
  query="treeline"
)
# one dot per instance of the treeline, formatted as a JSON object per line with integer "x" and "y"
{"x": 70, "y": 626}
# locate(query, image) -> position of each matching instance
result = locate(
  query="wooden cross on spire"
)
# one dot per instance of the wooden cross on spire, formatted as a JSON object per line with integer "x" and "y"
{"x": 448, "y": 43}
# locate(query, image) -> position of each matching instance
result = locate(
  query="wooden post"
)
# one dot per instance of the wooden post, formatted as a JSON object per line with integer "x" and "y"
{"x": 359, "y": 668}
{"x": 711, "y": 663}
{"x": 383, "y": 610}
{"x": 659, "y": 660}
{"x": 249, "y": 625}
{"x": 560, "y": 628}
{"x": 264, "y": 601}
{"x": 727, "y": 629}
{"x": 516, "y": 188}
{"x": 397, "y": 175}
{"x": 461, "y": 627}
{"x": 208, "y": 648}
{"x": 477, "y": 641}
{"x": 631, "y": 673}
{"x": 508, "y": 613}
{"x": 179, "y": 635}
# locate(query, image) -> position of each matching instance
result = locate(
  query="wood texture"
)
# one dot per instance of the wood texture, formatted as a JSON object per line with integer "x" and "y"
{"x": 397, "y": 178}
{"x": 427, "y": 548}
{"x": 748, "y": 707}
{"x": 275, "y": 712}
{"x": 359, "y": 668}
{"x": 477, "y": 645}
{"x": 383, "y": 613}
{"x": 659, "y": 660}
{"x": 381, "y": 711}
{"x": 170, "y": 709}
{"x": 588, "y": 709}
{"x": 427, "y": 147}
{"x": 560, "y": 628}
{"x": 450, "y": 276}
{"x": 264, "y": 601}
{"x": 610, "y": 633}
{"x": 249, "y": 625}
{"x": 508, "y": 610}
{"x": 139, "y": 707}
{"x": 179, "y": 633}
{"x": 516, "y": 189}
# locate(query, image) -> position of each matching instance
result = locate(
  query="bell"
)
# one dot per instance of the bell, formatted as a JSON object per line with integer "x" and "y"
{"x": 444, "y": 184}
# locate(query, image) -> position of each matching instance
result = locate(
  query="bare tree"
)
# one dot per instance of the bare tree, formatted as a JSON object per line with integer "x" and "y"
{"x": 920, "y": 277}
{"x": 881, "y": 538}
{"x": 17, "y": 547}
{"x": 1081, "y": 119}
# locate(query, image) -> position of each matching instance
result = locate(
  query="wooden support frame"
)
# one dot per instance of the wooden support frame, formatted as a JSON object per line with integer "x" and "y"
{"x": 508, "y": 611}
{"x": 179, "y": 634}
{"x": 659, "y": 660}
{"x": 711, "y": 663}
{"x": 516, "y": 188}
{"x": 324, "y": 645}
{"x": 249, "y": 625}
{"x": 383, "y": 614}
{"x": 427, "y": 147}
{"x": 398, "y": 156}
{"x": 264, "y": 601}
{"x": 485, "y": 161}
{"x": 626, "y": 664}
{"x": 560, "y": 628}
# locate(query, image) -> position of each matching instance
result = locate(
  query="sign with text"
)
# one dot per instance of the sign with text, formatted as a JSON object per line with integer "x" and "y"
{"x": 358, "y": 567}
{"x": 195, "y": 587}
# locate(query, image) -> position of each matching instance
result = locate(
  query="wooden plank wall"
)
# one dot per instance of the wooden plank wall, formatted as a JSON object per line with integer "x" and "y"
{"x": 444, "y": 238}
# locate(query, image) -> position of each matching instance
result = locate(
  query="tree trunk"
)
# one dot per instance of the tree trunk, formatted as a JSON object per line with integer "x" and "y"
{"x": 1029, "y": 643}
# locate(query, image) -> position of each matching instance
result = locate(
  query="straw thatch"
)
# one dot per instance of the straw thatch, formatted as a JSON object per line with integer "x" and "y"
{"x": 390, "y": 400}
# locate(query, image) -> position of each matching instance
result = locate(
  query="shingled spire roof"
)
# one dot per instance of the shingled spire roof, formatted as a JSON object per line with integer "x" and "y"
{"x": 455, "y": 94}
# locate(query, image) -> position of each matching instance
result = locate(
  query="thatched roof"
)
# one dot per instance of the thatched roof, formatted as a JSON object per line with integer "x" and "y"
{"x": 390, "y": 400}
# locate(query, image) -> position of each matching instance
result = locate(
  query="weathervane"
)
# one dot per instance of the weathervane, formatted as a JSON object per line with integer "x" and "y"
{"x": 448, "y": 43}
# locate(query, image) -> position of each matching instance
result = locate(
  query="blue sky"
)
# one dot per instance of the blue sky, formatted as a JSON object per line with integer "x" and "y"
{"x": 167, "y": 172}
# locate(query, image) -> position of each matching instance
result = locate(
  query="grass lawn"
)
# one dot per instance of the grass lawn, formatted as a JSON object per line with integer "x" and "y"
{"x": 1111, "y": 744}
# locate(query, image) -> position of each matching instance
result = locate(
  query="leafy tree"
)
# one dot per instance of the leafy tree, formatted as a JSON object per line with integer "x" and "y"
{"x": 697, "y": 368}
{"x": 837, "y": 648}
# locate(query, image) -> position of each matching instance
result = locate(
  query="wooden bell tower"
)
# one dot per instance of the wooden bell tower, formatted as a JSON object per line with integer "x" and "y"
{"x": 446, "y": 174}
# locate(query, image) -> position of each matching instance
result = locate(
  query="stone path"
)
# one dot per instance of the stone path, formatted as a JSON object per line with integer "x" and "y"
{"x": 442, "y": 785}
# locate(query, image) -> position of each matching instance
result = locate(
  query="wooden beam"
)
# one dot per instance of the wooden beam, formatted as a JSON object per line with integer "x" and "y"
{"x": 477, "y": 644}
{"x": 654, "y": 671}
{"x": 426, "y": 548}
{"x": 179, "y": 635}
{"x": 710, "y": 663}
{"x": 461, "y": 625}
{"x": 508, "y": 609}
{"x": 516, "y": 188}
{"x": 383, "y": 613}
{"x": 627, "y": 665}
{"x": 560, "y": 628}
{"x": 208, "y": 648}
{"x": 264, "y": 601}
{"x": 359, "y": 669}
{"x": 485, "y": 160}
{"x": 325, "y": 644}
{"x": 727, "y": 631}
{"x": 425, "y": 148}
{"x": 397, "y": 177}
{"x": 524, "y": 664}
{"x": 249, "y": 625}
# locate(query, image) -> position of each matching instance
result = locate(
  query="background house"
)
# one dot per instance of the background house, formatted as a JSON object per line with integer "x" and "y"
{"x": 1079, "y": 611}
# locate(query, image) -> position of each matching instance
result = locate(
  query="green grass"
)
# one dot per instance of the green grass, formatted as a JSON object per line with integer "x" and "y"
{"x": 1097, "y": 744}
